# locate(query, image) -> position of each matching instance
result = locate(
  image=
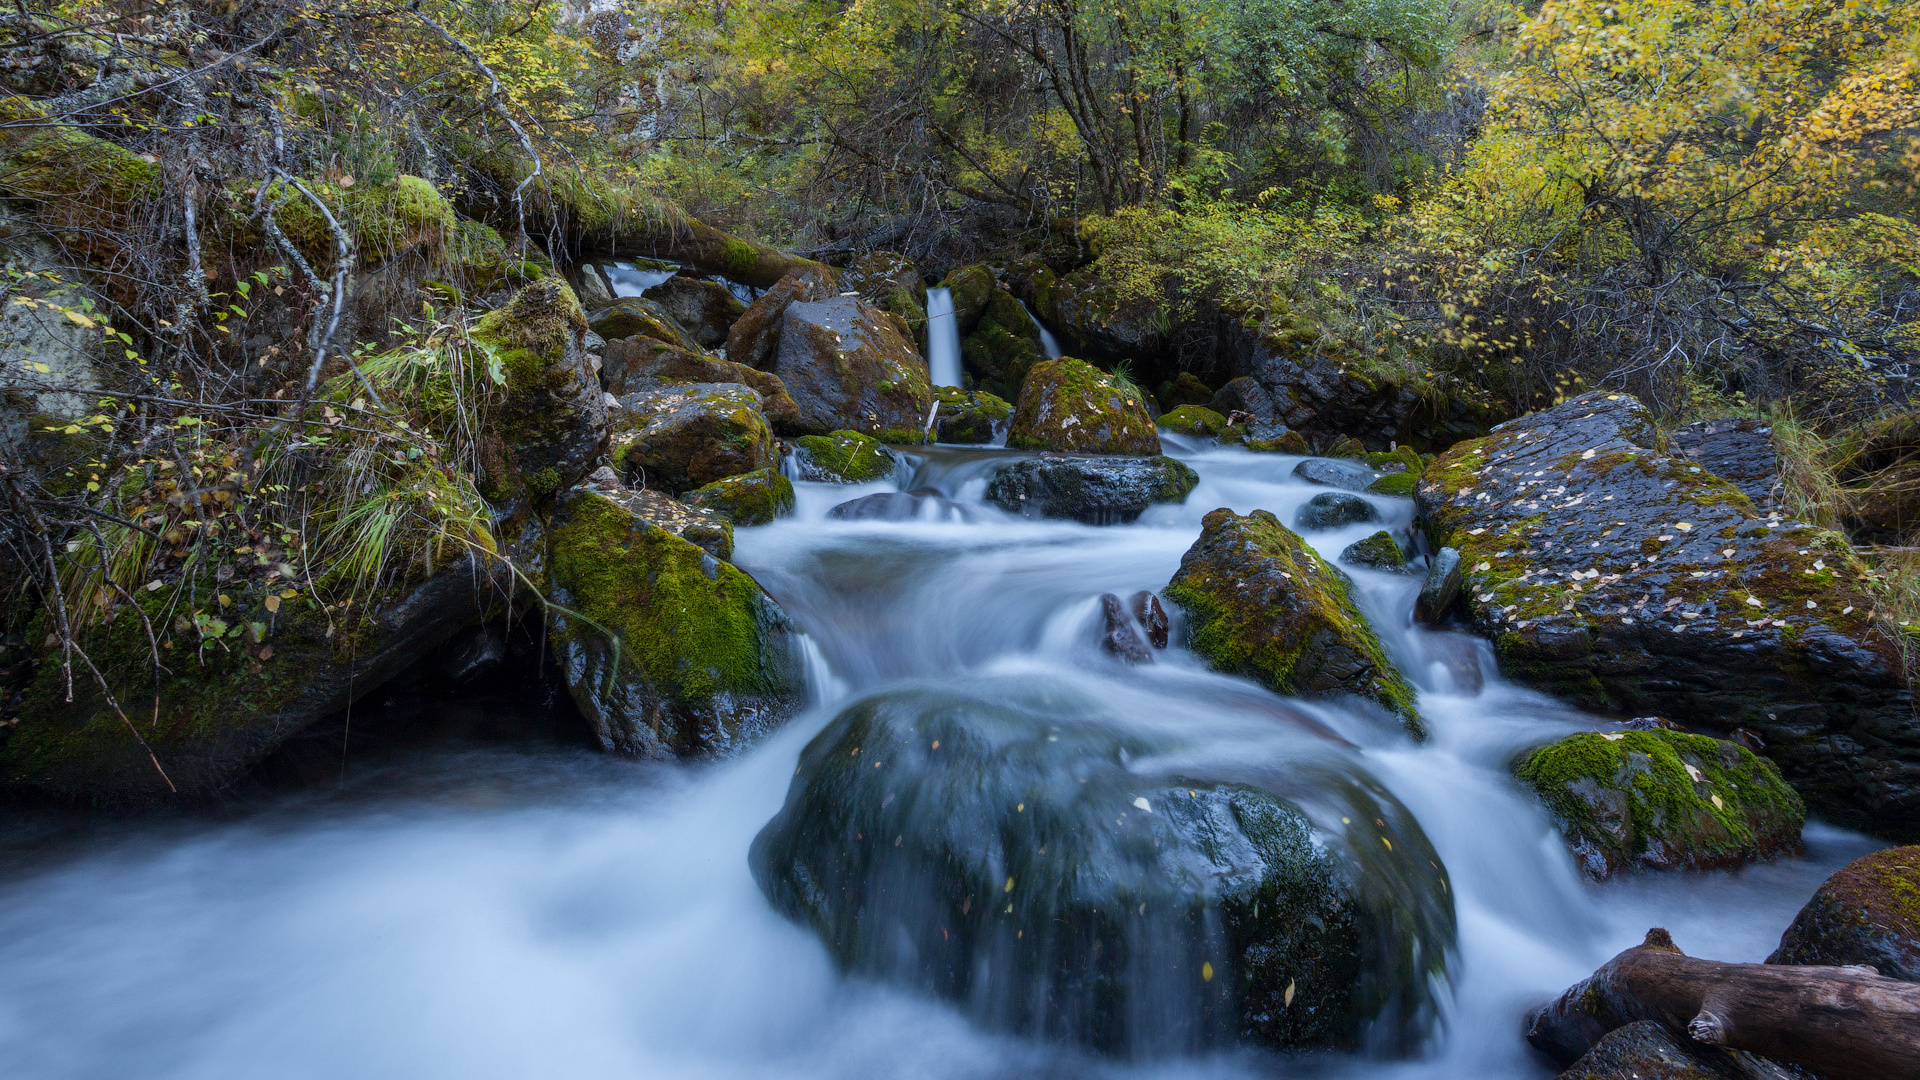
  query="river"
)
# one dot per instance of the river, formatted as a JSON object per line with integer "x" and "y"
{"x": 492, "y": 911}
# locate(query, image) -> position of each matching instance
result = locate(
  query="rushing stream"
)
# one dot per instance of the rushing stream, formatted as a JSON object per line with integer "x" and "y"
{"x": 539, "y": 913}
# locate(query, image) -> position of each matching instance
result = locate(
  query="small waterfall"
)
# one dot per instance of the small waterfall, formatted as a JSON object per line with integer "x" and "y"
{"x": 1047, "y": 343}
{"x": 943, "y": 339}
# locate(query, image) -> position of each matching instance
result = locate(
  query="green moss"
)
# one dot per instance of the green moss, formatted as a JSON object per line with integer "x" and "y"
{"x": 1380, "y": 551}
{"x": 1665, "y": 797}
{"x": 1399, "y": 485}
{"x": 78, "y": 181}
{"x": 969, "y": 416}
{"x": 845, "y": 457}
{"x": 1290, "y": 442}
{"x": 694, "y": 627}
{"x": 1198, "y": 421}
{"x": 754, "y": 498}
{"x": 1069, "y": 405}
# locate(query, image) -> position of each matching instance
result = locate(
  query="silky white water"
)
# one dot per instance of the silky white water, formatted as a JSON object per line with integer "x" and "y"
{"x": 503, "y": 913}
{"x": 943, "y": 339}
{"x": 1048, "y": 343}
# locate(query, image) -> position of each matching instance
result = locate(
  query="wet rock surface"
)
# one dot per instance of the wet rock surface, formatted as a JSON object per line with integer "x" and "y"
{"x": 1093, "y": 490}
{"x": 1867, "y": 913}
{"x": 1071, "y": 406}
{"x": 1335, "y": 509}
{"x": 703, "y": 308}
{"x": 1738, "y": 451}
{"x": 1441, "y": 588}
{"x": 1663, "y": 800}
{"x": 902, "y": 506}
{"x": 1617, "y": 576}
{"x": 969, "y": 416}
{"x": 1377, "y": 552}
{"x": 667, "y": 650}
{"x": 1320, "y": 397}
{"x": 1260, "y": 603}
{"x": 677, "y": 437}
{"x": 1153, "y": 617}
{"x": 996, "y": 852}
{"x": 1646, "y": 1050}
{"x": 1334, "y": 472}
{"x": 847, "y": 366}
{"x": 1118, "y": 634}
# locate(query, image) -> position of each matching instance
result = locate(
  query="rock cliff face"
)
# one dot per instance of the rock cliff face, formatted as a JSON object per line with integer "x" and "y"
{"x": 1626, "y": 578}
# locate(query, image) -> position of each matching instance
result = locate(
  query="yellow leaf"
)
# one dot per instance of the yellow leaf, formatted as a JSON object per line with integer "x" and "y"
{"x": 273, "y": 603}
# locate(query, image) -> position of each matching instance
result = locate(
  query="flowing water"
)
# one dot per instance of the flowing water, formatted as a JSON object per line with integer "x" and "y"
{"x": 1048, "y": 343}
{"x": 943, "y": 339}
{"x": 494, "y": 913}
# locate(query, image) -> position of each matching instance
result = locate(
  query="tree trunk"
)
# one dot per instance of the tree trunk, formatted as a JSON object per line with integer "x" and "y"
{"x": 1846, "y": 1023}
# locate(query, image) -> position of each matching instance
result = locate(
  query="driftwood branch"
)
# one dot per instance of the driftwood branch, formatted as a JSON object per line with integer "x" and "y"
{"x": 1846, "y": 1023}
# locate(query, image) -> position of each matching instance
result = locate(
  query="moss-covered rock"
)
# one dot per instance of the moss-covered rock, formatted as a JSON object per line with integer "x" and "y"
{"x": 1868, "y": 913}
{"x": 844, "y": 457}
{"x": 1281, "y": 442}
{"x": 1377, "y": 552}
{"x": 1260, "y": 603}
{"x": 1398, "y": 485}
{"x": 666, "y": 650}
{"x": 552, "y": 426}
{"x": 969, "y": 416}
{"x": 703, "y": 308}
{"x": 998, "y": 850}
{"x": 639, "y": 363}
{"x": 636, "y": 316}
{"x": 46, "y": 160}
{"x": 707, "y": 530}
{"x": 1663, "y": 800}
{"x": 1095, "y": 491}
{"x": 680, "y": 436}
{"x": 1183, "y": 389}
{"x": 972, "y": 288}
{"x": 848, "y": 367}
{"x": 754, "y": 498}
{"x": 1071, "y": 406}
{"x": 1003, "y": 345}
{"x": 1200, "y": 422}
{"x": 1635, "y": 582}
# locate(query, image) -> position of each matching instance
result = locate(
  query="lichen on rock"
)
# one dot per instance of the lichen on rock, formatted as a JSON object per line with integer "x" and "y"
{"x": 1663, "y": 800}
{"x": 1260, "y": 603}
{"x": 1071, "y": 406}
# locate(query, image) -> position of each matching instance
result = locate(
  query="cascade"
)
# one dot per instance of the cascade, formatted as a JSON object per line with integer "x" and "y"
{"x": 1048, "y": 344}
{"x": 943, "y": 339}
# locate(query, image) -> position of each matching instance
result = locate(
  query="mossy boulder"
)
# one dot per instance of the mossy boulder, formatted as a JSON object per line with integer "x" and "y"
{"x": 754, "y": 498}
{"x": 1091, "y": 490}
{"x": 639, "y": 363}
{"x": 1200, "y": 422}
{"x": 998, "y": 850}
{"x": 1868, "y": 913}
{"x": 701, "y": 307}
{"x": 1260, "y": 603}
{"x": 969, "y": 416}
{"x": 1003, "y": 345}
{"x": 1377, "y": 552}
{"x": 1073, "y": 407}
{"x": 972, "y": 288}
{"x": 848, "y": 367}
{"x": 1181, "y": 390}
{"x": 700, "y": 526}
{"x": 1633, "y": 581}
{"x": 667, "y": 651}
{"x": 552, "y": 425}
{"x": 844, "y": 457}
{"x": 754, "y": 337}
{"x": 1397, "y": 485}
{"x": 44, "y": 158}
{"x": 636, "y": 316}
{"x": 680, "y": 436}
{"x": 1663, "y": 800}
{"x": 1324, "y": 395}
{"x": 890, "y": 282}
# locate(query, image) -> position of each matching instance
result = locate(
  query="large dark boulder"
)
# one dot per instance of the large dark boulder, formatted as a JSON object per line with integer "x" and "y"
{"x": 1663, "y": 800}
{"x": 703, "y": 308}
{"x": 1073, "y": 407}
{"x": 1739, "y": 451}
{"x": 1096, "y": 491}
{"x": 890, "y": 282}
{"x": 1868, "y": 913}
{"x": 754, "y": 337}
{"x": 634, "y": 316}
{"x": 969, "y": 416}
{"x": 552, "y": 426}
{"x": 680, "y": 436}
{"x": 638, "y": 363}
{"x": 1260, "y": 603}
{"x": 1646, "y": 1050}
{"x": 668, "y": 651}
{"x": 1632, "y": 581}
{"x": 1335, "y": 510}
{"x": 998, "y": 850}
{"x": 1293, "y": 386}
{"x": 848, "y": 367}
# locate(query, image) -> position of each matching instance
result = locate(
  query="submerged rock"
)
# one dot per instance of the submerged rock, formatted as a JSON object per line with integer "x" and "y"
{"x": 969, "y": 416}
{"x": 754, "y": 498}
{"x": 667, "y": 650}
{"x": 902, "y": 506}
{"x": 1867, "y": 913}
{"x": 678, "y": 437}
{"x": 1260, "y": 603}
{"x": 1663, "y": 800}
{"x": 1153, "y": 617}
{"x": 1119, "y": 635}
{"x": 553, "y": 424}
{"x": 847, "y": 366}
{"x": 1336, "y": 509}
{"x": 1336, "y": 472}
{"x": 1377, "y": 552}
{"x": 635, "y": 364}
{"x": 702, "y": 307}
{"x": 1617, "y": 576}
{"x": 844, "y": 457}
{"x": 1071, "y": 406}
{"x": 999, "y": 854}
{"x": 1441, "y": 589}
{"x": 1095, "y": 491}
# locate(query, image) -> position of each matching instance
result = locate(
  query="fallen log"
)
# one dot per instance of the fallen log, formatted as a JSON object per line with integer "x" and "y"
{"x": 1846, "y": 1023}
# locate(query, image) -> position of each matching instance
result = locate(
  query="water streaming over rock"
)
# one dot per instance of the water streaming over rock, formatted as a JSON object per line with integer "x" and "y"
{"x": 489, "y": 913}
{"x": 1048, "y": 343}
{"x": 943, "y": 339}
